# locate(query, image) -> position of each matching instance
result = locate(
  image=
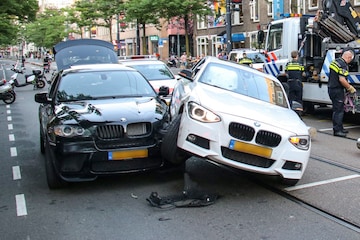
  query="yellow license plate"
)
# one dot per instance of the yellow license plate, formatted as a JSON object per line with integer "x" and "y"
{"x": 129, "y": 154}
{"x": 250, "y": 148}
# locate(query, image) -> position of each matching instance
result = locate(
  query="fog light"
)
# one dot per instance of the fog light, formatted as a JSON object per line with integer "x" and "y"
{"x": 199, "y": 141}
{"x": 292, "y": 165}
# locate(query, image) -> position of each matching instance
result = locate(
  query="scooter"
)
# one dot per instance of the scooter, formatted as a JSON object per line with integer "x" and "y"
{"x": 7, "y": 94}
{"x": 36, "y": 78}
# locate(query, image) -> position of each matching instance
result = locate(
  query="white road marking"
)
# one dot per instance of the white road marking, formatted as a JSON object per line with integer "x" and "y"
{"x": 7, "y": 106}
{"x": 8, "y": 111}
{"x": 20, "y": 205}
{"x": 11, "y": 137}
{"x": 330, "y": 129}
{"x": 13, "y": 152}
{"x": 9, "y": 118}
{"x": 297, "y": 187}
{"x": 16, "y": 172}
{"x": 10, "y": 126}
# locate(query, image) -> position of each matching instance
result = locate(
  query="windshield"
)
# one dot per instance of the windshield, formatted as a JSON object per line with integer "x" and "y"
{"x": 103, "y": 84}
{"x": 274, "y": 40}
{"x": 84, "y": 54}
{"x": 244, "y": 82}
{"x": 154, "y": 71}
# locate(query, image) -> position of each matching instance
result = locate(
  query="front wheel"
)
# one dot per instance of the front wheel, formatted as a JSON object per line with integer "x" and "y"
{"x": 54, "y": 181}
{"x": 9, "y": 97}
{"x": 40, "y": 83}
{"x": 169, "y": 148}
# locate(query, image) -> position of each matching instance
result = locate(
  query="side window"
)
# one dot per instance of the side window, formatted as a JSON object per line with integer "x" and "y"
{"x": 53, "y": 86}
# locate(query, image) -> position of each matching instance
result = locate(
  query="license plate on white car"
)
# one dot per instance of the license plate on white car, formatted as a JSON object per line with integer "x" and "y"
{"x": 250, "y": 148}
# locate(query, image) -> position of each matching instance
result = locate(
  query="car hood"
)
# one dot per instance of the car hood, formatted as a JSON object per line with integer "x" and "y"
{"x": 224, "y": 102}
{"x": 124, "y": 110}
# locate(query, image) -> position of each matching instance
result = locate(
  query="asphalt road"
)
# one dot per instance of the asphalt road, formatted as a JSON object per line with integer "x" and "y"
{"x": 323, "y": 205}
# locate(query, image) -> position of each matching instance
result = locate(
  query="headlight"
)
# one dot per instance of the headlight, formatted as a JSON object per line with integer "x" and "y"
{"x": 202, "y": 114}
{"x": 301, "y": 142}
{"x": 70, "y": 131}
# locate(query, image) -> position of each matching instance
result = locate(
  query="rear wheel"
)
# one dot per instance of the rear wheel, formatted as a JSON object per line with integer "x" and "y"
{"x": 169, "y": 148}
{"x": 9, "y": 97}
{"x": 54, "y": 181}
{"x": 40, "y": 83}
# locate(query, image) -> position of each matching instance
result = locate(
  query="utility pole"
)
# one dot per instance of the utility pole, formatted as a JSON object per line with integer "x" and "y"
{"x": 137, "y": 38}
{"x": 228, "y": 27}
{"x": 118, "y": 35}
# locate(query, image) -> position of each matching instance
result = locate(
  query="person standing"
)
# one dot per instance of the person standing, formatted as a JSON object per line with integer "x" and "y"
{"x": 183, "y": 60}
{"x": 339, "y": 72}
{"x": 245, "y": 60}
{"x": 295, "y": 71}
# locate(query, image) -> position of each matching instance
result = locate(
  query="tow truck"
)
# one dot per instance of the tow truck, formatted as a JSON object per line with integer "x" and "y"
{"x": 319, "y": 39}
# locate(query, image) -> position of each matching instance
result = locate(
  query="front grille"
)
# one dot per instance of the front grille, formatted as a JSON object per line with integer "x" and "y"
{"x": 138, "y": 129}
{"x": 125, "y": 143}
{"x": 241, "y": 131}
{"x": 107, "y": 132}
{"x": 246, "y": 158}
{"x": 268, "y": 138}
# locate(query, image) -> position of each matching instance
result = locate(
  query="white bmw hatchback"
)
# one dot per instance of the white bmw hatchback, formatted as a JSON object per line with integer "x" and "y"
{"x": 236, "y": 116}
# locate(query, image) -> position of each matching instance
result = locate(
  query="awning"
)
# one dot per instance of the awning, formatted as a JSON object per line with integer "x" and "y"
{"x": 236, "y": 37}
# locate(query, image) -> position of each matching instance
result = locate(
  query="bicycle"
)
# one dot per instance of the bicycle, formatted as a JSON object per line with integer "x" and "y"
{"x": 351, "y": 102}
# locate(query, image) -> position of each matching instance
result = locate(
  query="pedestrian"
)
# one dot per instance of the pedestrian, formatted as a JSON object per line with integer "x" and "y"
{"x": 338, "y": 83}
{"x": 22, "y": 61}
{"x": 183, "y": 61}
{"x": 245, "y": 60}
{"x": 296, "y": 73}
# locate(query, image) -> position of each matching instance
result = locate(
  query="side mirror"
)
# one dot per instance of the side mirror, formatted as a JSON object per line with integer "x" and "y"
{"x": 164, "y": 91}
{"x": 186, "y": 73}
{"x": 41, "y": 98}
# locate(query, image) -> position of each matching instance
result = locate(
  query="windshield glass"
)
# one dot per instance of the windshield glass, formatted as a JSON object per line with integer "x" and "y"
{"x": 154, "y": 71}
{"x": 244, "y": 82}
{"x": 103, "y": 84}
{"x": 274, "y": 40}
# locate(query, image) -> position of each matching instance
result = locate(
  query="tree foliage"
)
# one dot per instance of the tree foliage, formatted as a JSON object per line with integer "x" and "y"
{"x": 48, "y": 29}
{"x": 12, "y": 14}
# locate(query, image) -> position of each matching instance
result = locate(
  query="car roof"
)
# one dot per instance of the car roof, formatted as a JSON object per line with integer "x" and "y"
{"x": 140, "y": 61}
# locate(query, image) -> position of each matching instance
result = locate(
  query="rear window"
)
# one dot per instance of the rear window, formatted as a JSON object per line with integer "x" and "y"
{"x": 103, "y": 84}
{"x": 244, "y": 82}
{"x": 154, "y": 71}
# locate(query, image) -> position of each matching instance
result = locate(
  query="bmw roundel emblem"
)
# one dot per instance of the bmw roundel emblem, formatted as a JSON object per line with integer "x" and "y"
{"x": 257, "y": 124}
{"x": 123, "y": 120}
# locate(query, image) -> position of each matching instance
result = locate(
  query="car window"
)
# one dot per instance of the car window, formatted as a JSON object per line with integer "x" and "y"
{"x": 256, "y": 57}
{"x": 154, "y": 71}
{"x": 244, "y": 82}
{"x": 103, "y": 84}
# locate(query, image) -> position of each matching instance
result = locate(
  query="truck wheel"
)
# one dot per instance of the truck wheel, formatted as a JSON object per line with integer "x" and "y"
{"x": 54, "y": 181}
{"x": 169, "y": 149}
{"x": 308, "y": 107}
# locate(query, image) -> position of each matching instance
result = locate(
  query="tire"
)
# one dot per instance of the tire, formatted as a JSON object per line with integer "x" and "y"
{"x": 40, "y": 83}
{"x": 308, "y": 108}
{"x": 169, "y": 149}
{"x": 42, "y": 143}
{"x": 54, "y": 181}
{"x": 289, "y": 182}
{"x": 9, "y": 97}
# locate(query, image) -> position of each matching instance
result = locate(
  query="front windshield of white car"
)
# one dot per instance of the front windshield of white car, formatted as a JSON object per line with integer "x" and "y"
{"x": 247, "y": 83}
{"x": 90, "y": 85}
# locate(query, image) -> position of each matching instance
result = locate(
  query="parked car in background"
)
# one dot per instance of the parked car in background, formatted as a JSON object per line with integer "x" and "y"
{"x": 257, "y": 57}
{"x": 156, "y": 71}
{"x": 98, "y": 119}
{"x": 233, "y": 115}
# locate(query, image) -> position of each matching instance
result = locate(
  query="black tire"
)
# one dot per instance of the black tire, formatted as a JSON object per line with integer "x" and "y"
{"x": 9, "y": 97}
{"x": 42, "y": 142}
{"x": 308, "y": 108}
{"x": 289, "y": 182}
{"x": 40, "y": 83}
{"x": 169, "y": 149}
{"x": 54, "y": 181}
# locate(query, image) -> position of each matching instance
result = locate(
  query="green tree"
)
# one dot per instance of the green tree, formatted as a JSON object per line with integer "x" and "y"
{"x": 186, "y": 10}
{"x": 12, "y": 14}
{"x": 48, "y": 29}
{"x": 142, "y": 12}
{"x": 98, "y": 13}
